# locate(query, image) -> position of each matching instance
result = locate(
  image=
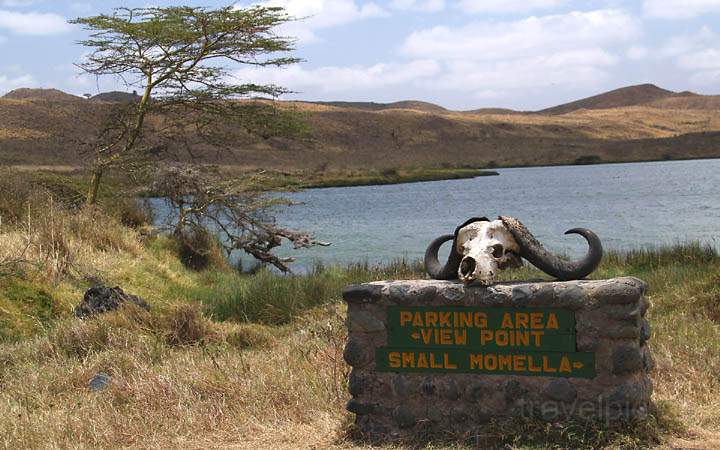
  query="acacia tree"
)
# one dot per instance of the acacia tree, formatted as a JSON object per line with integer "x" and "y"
{"x": 180, "y": 60}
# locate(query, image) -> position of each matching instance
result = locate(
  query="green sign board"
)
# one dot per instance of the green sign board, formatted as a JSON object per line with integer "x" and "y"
{"x": 537, "y": 341}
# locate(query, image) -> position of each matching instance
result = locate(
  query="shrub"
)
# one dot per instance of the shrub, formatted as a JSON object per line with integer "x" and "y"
{"x": 134, "y": 213}
{"x": 588, "y": 159}
{"x": 198, "y": 249}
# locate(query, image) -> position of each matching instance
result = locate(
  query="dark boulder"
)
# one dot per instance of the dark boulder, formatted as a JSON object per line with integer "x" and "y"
{"x": 102, "y": 299}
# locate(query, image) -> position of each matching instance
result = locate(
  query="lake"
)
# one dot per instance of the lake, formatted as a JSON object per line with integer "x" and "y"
{"x": 628, "y": 205}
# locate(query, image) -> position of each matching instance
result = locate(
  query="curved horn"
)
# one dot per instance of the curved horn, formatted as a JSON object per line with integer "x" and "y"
{"x": 437, "y": 271}
{"x": 449, "y": 271}
{"x": 549, "y": 263}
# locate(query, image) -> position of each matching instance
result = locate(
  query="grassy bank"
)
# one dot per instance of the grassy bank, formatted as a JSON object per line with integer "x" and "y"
{"x": 225, "y": 359}
{"x": 393, "y": 177}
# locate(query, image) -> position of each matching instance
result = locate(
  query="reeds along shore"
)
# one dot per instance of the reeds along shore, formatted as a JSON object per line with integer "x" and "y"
{"x": 228, "y": 359}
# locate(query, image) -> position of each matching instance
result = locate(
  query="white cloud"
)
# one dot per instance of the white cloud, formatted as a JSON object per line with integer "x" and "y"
{"x": 507, "y": 6}
{"x": 418, "y": 5}
{"x": 16, "y": 3}
{"x": 674, "y": 9}
{"x": 698, "y": 53}
{"x": 319, "y": 14}
{"x": 573, "y": 49}
{"x": 637, "y": 52}
{"x": 531, "y": 36}
{"x": 33, "y": 23}
{"x": 10, "y": 82}
{"x": 336, "y": 79}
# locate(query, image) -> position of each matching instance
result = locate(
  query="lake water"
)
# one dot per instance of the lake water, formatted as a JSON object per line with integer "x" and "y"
{"x": 627, "y": 205}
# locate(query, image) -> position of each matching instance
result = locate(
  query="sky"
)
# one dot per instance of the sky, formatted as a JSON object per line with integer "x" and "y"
{"x": 461, "y": 54}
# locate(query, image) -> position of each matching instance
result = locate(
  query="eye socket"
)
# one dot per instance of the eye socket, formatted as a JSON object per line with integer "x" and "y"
{"x": 498, "y": 251}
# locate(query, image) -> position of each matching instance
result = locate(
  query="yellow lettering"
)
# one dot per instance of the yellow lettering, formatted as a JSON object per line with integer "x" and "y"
{"x": 460, "y": 336}
{"x": 405, "y": 316}
{"x": 521, "y": 320}
{"x": 481, "y": 320}
{"x": 532, "y": 367}
{"x": 430, "y": 318}
{"x": 565, "y": 365}
{"x": 433, "y": 363}
{"x": 505, "y": 362}
{"x": 546, "y": 366}
{"x": 426, "y": 335}
{"x": 501, "y": 338}
{"x": 448, "y": 365}
{"x": 538, "y": 337}
{"x": 445, "y": 336}
{"x": 552, "y": 323}
{"x": 507, "y": 321}
{"x": 476, "y": 360}
{"x": 485, "y": 336}
{"x": 465, "y": 319}
{"x": 422, "y": 360}
{"x": 394, "y": 358}
{"x": 490, "y": 362}
{"x": 519, "y": 362}
{"x": 417, "y": 320}
{"x": 445, "y": 319}
{"x": 408, "y": 359}
{"x": 536, "y": 320}
{"x": 522, "y": 338}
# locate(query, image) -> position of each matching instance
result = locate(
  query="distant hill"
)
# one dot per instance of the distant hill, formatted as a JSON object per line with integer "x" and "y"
{"x": 630, "y": 124}
{"x": 493, "y": 111}
{"x": 641, "y": 94}
{"x": 116, "y": 97}
{"x": 414, "y": 105}
{"x": 40, "y": 94}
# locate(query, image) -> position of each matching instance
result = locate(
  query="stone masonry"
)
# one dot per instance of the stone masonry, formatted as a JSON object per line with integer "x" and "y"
{"x": 609, "y": 320}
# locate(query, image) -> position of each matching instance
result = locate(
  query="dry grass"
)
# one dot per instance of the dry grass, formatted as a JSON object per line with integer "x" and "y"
{"x": 180, "y": 379}
{"x": 164, "y": 393}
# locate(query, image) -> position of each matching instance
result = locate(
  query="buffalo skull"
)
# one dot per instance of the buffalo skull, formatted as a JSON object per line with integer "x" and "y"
{"x": 481, "y": 248}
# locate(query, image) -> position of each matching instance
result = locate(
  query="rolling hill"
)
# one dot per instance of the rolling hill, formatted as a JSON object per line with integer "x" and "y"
{"x": 627, "y": 96}
{"x": 629, "y": 124}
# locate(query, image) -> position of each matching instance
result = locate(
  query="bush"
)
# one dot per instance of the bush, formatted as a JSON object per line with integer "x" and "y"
{"x": 588, "y": 159}
{"x": 198, "y": 249}
{"x": 134, "y": 213}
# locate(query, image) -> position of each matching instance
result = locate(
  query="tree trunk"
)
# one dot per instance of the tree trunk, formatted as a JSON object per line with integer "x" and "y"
{"x": 94, "y": 185}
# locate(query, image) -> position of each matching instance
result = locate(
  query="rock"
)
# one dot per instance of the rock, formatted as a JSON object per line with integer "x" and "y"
{"x": 404, "y": 416}
{"x": 402, "y": 387}
{"x": 619, "y": 291}
{"x": 428, "y": 387}
{"x": 450, "y": 390}
{"x": 362, "y": 293}
{"x": 514, "y": 390}
{"x": 572, "y": 297}
{"x": 364, "y": 322}
{"x": 359, "y": 408}
{"x": 521, "y": 295}
{"x": 626, "y": 396}
{"x": 99, "y": 382}
{"x": 357, "y": 383}
{"x": 102, "y": 299}
{"x": 477, "y": 391}
{"x": 619, "y": 331}
{"x": 626, "y": 359}
{"x": 645, "y": 332}
{"x": 561, "y": 391}
{"x": 453, "y": 292}
{"x": 355, "y": 352}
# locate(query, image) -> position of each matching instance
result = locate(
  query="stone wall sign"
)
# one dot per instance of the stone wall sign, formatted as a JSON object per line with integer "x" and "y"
{"x": 483, "y": 340}
{"x": 431, "y": 356}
